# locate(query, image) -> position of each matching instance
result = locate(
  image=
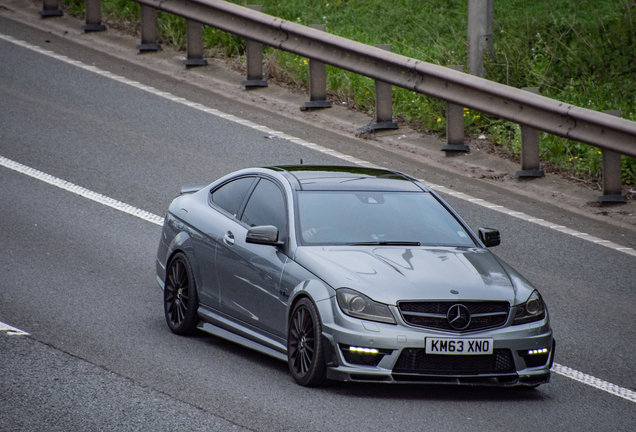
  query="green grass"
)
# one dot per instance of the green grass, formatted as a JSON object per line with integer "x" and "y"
{"x": 583, "y": 53}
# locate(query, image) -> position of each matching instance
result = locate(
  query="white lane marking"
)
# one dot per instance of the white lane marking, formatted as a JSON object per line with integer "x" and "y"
{"x": 158, "y": 220}
{"x": 531, "y": 219}
{"x": 94, "y": 196}
{"x": 12, "y": 330}
{"x": 622, "y": 392}
{"x": 317, "y": 147}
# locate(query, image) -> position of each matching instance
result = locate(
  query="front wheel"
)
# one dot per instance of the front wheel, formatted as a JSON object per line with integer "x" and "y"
{"x": 305, "y": 354}
{"x": 180, "y": 300}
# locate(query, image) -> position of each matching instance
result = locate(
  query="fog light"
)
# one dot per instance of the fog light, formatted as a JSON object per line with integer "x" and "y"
{"x": 535, "y": 357}
{"x": 537, "y": 351}
{"x": 363, "y": 356}
{"x": 364, "y": 350}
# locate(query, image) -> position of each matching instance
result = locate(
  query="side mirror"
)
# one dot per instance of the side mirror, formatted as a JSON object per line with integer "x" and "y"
{"x": 489, "y": 237}
{"x": 265, "y": 234}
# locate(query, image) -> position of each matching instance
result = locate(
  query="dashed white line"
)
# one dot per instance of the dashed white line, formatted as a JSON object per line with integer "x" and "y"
{"x": 531, "y": 219}
{"x": 158, "y": 220}
{"x": 81, "y": 191}
{"x": 12, "y": 330}
{"x": 622, "y": 392}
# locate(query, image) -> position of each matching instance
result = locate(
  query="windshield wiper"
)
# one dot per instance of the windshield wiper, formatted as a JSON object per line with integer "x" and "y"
{"x": 386, "y": 243}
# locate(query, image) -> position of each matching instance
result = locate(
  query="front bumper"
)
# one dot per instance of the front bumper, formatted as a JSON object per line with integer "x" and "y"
{"x": 522, "y": 354}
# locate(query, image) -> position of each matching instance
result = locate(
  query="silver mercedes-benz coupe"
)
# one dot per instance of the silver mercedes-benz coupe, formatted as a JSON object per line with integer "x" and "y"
{"x": 351, "y": 274}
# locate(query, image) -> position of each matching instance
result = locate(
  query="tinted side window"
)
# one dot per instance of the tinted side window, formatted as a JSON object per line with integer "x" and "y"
{"x": 230, "y": 196}
{"x": 266, "y": 206}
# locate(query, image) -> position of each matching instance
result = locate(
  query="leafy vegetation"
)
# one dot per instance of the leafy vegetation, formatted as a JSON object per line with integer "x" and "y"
{"x": 583, "y": 53}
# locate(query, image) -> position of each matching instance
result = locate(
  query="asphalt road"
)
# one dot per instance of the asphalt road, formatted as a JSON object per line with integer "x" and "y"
{"x": 79, "y": 276}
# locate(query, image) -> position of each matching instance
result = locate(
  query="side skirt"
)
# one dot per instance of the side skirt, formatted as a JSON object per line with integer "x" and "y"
{"x": 247, "y": 338}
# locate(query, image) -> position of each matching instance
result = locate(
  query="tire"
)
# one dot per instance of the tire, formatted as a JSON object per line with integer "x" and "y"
{"x": 180, "y": 300}
{"x": 305, "y": 355}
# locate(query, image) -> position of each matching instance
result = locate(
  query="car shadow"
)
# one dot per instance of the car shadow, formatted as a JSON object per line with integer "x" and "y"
{"x": 380, "y": 391}
{"x": 434, "y": 392}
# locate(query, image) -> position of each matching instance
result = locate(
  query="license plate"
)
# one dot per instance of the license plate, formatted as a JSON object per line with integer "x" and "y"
{"x": 458, "y": 346}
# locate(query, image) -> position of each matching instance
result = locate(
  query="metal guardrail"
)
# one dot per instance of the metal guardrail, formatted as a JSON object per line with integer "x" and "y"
{"x": 523, "y": 106}
{"x": 518, "y": 106}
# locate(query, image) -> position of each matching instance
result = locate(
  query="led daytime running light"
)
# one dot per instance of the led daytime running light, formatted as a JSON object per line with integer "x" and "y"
{"x": 364, "y": 350}
{"x": 538, "y": 351}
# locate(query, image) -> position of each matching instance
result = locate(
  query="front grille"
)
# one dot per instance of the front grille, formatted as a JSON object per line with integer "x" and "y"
{"x": 415, "y": 360}
{"x": 483, "y": 315}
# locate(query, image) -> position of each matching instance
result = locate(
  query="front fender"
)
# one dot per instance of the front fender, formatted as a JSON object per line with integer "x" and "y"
{"x": 318, "y": 292}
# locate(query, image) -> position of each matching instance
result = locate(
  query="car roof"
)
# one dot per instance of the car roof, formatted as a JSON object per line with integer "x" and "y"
{"x": 315, "y": 177}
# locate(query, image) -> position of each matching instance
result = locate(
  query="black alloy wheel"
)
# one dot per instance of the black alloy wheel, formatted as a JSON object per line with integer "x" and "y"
{"x": 180, "y": 297}
{"x": 304, "y": 345}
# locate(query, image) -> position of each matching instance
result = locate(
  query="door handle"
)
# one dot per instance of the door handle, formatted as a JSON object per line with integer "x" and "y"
{"x": 228, "y": 238}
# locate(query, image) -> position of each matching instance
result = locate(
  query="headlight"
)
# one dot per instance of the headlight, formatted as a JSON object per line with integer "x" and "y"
{"x": 358, "y": 305}
{"x": 532, "y": 310}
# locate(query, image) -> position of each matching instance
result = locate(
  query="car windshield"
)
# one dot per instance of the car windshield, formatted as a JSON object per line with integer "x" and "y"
{"x": 384, "y": 218}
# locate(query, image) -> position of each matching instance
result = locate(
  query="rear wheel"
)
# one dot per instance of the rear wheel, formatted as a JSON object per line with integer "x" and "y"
{"x": 180, "y": 298}
{"x": 305, "y": 354}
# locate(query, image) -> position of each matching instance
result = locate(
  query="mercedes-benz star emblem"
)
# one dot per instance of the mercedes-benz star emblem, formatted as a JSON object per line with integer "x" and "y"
{"x": 458, "y": 317}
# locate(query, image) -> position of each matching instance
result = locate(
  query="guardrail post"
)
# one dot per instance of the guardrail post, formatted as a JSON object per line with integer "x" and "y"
{"x": 50, "y": 9}
{"x": 455, "y": 125}
{"x": 383, "y": 104}
{"x": 254, "y": 54}
{"x": 612, "y": 173}
{"x": 317, "y": 81}
{"x": 383, "y": 101}
{"x": 480, "y": 34}
{"x": 93, "y": 16}
{"x": 148, "y": 29}
{"x": 530, "y": 148}
{"x": 194, "y": 44}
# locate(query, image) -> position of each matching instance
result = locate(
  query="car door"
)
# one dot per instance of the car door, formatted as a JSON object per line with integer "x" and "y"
{"x": 249, "y": 274}
{"x": 224, "y": 203}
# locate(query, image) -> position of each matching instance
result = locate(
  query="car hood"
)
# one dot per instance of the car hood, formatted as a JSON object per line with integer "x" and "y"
{"x": 388, "y": 273}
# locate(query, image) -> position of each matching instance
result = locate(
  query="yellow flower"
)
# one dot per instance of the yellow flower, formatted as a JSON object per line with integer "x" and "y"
{"x": 466, "y": 109}
{"x": 475, "y": 117}
{"x": 570, "y": 160}
{"x": 600, "y": 152}
{"x": 305, "y": 61}
{"x": 367, "y": 92}
{"x": 439, "y": 120}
